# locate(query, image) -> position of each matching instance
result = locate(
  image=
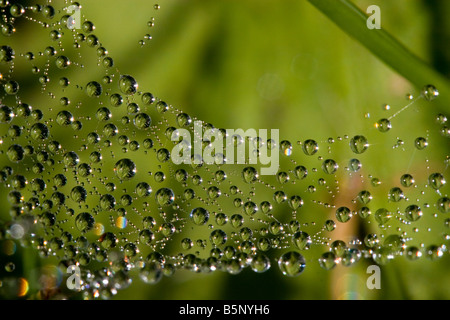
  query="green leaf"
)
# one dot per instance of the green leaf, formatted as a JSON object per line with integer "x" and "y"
{"x": 354, "y": 22}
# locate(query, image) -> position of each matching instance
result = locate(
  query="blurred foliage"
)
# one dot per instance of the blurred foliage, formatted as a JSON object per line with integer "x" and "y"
{"x": 276, "y": 64}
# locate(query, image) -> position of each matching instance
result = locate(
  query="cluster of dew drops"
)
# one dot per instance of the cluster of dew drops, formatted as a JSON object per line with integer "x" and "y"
{"x": 89, "y": 178}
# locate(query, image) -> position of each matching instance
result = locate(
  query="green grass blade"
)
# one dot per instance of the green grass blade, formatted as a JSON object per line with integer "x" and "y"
{"x": 354, "y": 22}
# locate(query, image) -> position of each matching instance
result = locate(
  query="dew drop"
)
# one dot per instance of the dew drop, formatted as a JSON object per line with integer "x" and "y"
{"x": 310, "y": 147}
{"x": 383, "y": 125}
{"x": 413, "y": 213}
{"x": 250, "y": 175}
{"x": 443, "y": 205}
{"x": 291, "y": 264}
{"x": 260, "y": 263}
{"x": 329, "y": 166}
{"x": 94, "y": 89}
{"x": 199, "y": 216}
{"x": 420, "y": 143}
{"x": 84, "y": 222}
{"x": 302, "y": 240}
{"x": 165, "y": 196}
{"x": 343, "y": 214}
{"x": 128, "y": 85}
{"x": 327, "y": 261}
{"x": 429, "y": 92}
{"x": 125, "y": 169}
{"x": 359, "y": 144}
{"x": 436, "y": 180}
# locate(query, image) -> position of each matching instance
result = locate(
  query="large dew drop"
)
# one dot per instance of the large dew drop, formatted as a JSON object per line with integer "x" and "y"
{"x": 199, "y": 216}
{"x": 310, "y": 147}
{"x": 94, "y": 89}
{"x": 128, "y": 85}
{"x": 125, "y": 169}
{"x": 84, "y": 222}
{"x": 292, "y": 263}
{"x": 359, "y": 144}
{"x": 429, "y": 92}
{"x": 165, "y": 196}
{"x": 250, "y": 175}
{"x": 260, "y": 263}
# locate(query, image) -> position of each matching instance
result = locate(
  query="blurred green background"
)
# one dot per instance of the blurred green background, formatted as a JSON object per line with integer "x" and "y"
{"x": 284, "y": 65}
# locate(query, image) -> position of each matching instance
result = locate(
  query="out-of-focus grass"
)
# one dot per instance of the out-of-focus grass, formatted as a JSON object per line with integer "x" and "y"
{"x": 353, "y": 21}
{"x": 271, "y": 64}
{"x": 274, "y": 64}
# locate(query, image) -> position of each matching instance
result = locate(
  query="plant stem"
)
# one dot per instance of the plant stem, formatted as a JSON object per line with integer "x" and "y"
{"x": 354, "y": 22}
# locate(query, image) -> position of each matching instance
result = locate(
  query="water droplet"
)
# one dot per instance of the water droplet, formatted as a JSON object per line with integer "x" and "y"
{"x": 383, "y": 125}
{"x": 142, "y": 121}
{"x": 327, "y": 261}
{"x": 330, "y": 166}
{"x": 382, "y": 216}
{"x": 218, "y": 237}
{"x": 300, "y": 172}
{"x": 343, "y": 214}
{"x": 279, "y": 196}
{"x": 310, "y": 147}
{"x": 407, "y": 180}
{"x": 161, "y": 107}
{"x": 6, "y": 54}
{"x": 396, "y": 194}
{"x": 151, "y": 273}
{"x": 295, "y": 202}
{"x": 413, "y": 213}
{"x": 103, "y": 114}
{"x": 143, "y": 189}
{"x": 125, "y": 169}
{"x": 128, "y": 85}
{"x": 84, "y": 222}
{"x": 15, "y": 153}
{"x": 94, "y": 89}
{"x": 78, "y": 194}
{"x": 354, "y": 165}
{"x": 39, "y": 131}
{"x": 237, "y": 220}
{"x": 64, "y": 118}
{"x": 364, "y": 196}
{"x": 330, "y": 225}
{"x": 292, "y": 264}
{"x": 436, "y": 180}
{"x": 364, "y": 212}
{"x": 338, "y": 247}
{"x": 10, "y": 267}
{"x": 420, "y": 143}
{"x": 107, "y": 202}
{"x": 359, "y": 144}
{"x": 183, "y": 120}
{"x": 302, "y": 240}
{"x": 371, "y": 240}
{"x": 286, "y": 148}
{"x": 429, "y": 92}
{"x": 71, "y": 159}
{"x": 413, "y": 253}
{"x": 165, "y": 196}
{"x": 282, "y": 177}
{"x": 443, "y": 205}
{"x": 163, "y": 155}
{"x": 250, "y": 175}
{"x": 199, "y": 216}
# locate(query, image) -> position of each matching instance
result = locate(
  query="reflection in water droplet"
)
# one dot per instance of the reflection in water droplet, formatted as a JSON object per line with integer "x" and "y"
{"x": 429, "y": 92}
{"x": 292, "y": 264}
{"x": 125, "y": 169}
{"x": 383, "y": 125}
{"x": 70, "y": 168}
